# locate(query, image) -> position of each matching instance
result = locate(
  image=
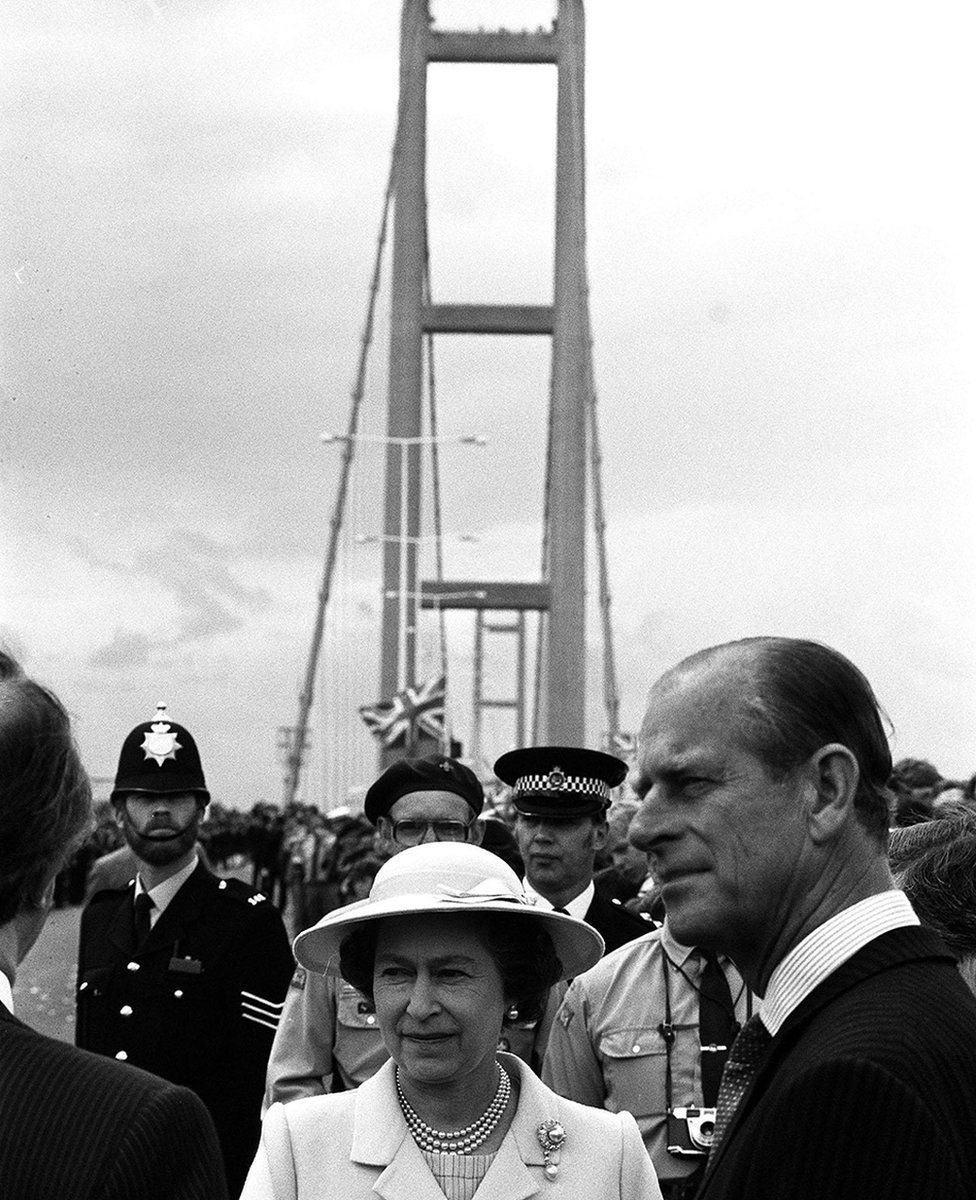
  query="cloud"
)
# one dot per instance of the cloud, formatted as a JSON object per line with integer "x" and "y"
{"x": 126, "y": 651}
{"x": 782, "y": 347}
{"x": 193, "y": 570}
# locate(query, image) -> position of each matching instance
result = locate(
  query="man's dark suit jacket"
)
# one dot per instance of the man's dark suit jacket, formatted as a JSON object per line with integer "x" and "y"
{"x": 615, "y": 924}
{"x": 76, "y": 1126}
{"x": 868, "y": 1091}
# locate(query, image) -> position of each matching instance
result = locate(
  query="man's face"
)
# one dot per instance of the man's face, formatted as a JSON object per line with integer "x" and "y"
{"x": 421, "y": 817}
{"x": 558, "y": 853}
{"x": 160, "y": 827}
{"x": 629, "y": 862}
{"x": 727, "y": 842}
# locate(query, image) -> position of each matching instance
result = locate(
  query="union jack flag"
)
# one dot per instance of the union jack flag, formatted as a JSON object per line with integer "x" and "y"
{"x": 412, "y": 711}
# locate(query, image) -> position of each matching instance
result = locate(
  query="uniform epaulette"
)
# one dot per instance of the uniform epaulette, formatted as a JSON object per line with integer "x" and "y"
{"x": 234, "y": 889}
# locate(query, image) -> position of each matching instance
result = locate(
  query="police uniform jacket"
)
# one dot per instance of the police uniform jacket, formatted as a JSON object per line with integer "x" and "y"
{"x": 198, "y": 1003}
{"x": 356, "y": 1146}
{"x": 607, "y": 1044}
{"x": 615, "y": 924}
{"x": 77, "y": 1127}
{"x": 867, "y": 1089}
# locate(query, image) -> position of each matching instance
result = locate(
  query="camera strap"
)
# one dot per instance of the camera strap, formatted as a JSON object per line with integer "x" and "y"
{"x": 668, "y": 1029}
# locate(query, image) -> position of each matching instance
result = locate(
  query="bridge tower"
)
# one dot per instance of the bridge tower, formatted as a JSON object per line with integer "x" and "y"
{"x": 561, "y": 594}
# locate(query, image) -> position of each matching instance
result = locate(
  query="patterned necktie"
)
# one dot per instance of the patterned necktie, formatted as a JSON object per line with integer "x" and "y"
{"x": 747, "y": 1053}
{"x": 717, "y": 1025}
{"x": 140, "y": 917}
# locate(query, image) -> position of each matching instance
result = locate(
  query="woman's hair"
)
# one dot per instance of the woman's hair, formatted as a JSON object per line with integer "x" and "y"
{"x": 524, "y": 955}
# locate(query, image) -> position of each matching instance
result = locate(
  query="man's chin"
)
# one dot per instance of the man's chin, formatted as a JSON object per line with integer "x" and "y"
{"x": 688, "y": 918}
{"x": 161, "y": 851}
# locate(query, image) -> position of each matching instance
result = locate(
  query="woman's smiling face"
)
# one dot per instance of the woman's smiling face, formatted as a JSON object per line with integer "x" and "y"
{"x": 439, "y": 997}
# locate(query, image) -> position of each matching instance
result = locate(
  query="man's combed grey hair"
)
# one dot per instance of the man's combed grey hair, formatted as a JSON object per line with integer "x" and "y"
{"x": 798, "y": 696}
{"x": 939, "y": 877}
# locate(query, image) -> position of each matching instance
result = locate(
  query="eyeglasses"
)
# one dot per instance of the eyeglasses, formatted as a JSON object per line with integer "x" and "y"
{"x": 412, "y": 833}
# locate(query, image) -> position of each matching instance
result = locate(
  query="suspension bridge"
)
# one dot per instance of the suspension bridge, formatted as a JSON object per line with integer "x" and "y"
{"x": 543, "y": 618}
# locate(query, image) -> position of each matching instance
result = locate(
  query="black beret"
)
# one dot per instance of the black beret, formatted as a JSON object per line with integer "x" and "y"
{"x": 435, "y": 773}
{"x": 560, "y": 781}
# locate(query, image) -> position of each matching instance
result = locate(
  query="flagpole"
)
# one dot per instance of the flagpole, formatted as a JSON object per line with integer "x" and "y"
{"x": 403, "y": 602}
{"x": 446, "y": 724}
{"x": 406, "y": 595}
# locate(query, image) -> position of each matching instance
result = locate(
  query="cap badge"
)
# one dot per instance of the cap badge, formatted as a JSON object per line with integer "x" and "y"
{"x": 555, "y": 780}
{"x": 445, "y": 766}
{"x": 160, "y": 742}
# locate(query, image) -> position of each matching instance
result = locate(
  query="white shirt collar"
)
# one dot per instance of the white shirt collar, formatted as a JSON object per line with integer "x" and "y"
{"x": 821, "y": 952}
{"x": 162, "y": 894}
{"x": 6, "y": 993}
{"x": 576, "y": 907}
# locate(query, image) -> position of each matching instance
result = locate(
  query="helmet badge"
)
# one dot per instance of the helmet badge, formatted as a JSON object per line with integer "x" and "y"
{"x": 160, "y": 741}
{"x": 556, "y": 780}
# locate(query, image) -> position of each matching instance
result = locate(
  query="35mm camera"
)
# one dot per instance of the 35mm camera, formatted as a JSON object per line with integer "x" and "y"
{"x": 690, "y": 1131}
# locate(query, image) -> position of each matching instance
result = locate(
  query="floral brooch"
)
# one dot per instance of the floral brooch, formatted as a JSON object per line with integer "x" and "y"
{"x": 551, "y": 1135}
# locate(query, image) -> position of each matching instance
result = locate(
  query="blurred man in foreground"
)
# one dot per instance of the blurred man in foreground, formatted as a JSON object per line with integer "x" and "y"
{"x": 75, "y": 1125}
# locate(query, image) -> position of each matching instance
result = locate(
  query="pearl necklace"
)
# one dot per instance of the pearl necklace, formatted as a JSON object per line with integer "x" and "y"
{"x": 457, "y": 1141}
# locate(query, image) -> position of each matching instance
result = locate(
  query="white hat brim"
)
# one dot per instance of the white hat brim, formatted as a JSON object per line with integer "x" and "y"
{"x": 578, "y": 945}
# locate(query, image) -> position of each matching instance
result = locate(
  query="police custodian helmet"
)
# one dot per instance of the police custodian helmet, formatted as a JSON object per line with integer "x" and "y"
{"x": 160, "y": 756}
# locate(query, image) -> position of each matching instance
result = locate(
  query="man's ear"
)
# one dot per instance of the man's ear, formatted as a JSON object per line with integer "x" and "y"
{"x": 832, "y": 776}
{"x": 43, "y": 900}
{"x": 117, "y": 807}
{"x": 384, "y": 830}
{"x": 601, "y": 832}
{"x": 476, "y": 832}
{"x": 47, "y": 896}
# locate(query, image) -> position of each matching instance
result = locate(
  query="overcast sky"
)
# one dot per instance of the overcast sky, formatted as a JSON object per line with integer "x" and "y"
{"x": 781, "y": 263}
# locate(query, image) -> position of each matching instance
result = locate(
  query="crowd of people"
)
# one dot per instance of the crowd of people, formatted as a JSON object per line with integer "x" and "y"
{"x": 308, "y": 862}
{"x": 743, "y": 965}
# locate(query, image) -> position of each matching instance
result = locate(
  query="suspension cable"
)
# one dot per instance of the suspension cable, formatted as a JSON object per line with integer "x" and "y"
{"x": 296, "y": 751}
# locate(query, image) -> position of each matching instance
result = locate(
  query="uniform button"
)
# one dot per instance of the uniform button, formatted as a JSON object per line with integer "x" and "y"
{"x": 82, "y": 987}
{"x": 125, "y": 1010}
{"x": 178, "y": 994}
{"x": 222, "y": 884}
{"x": 122, "y": 1056}
{"x": 635, "y": 1050}
{"x": 371, "y": 1019}
{"x": 132, "y": 966}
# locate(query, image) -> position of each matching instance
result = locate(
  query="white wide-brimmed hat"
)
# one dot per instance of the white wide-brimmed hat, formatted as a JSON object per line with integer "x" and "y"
{"x": 449, "y": 877}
